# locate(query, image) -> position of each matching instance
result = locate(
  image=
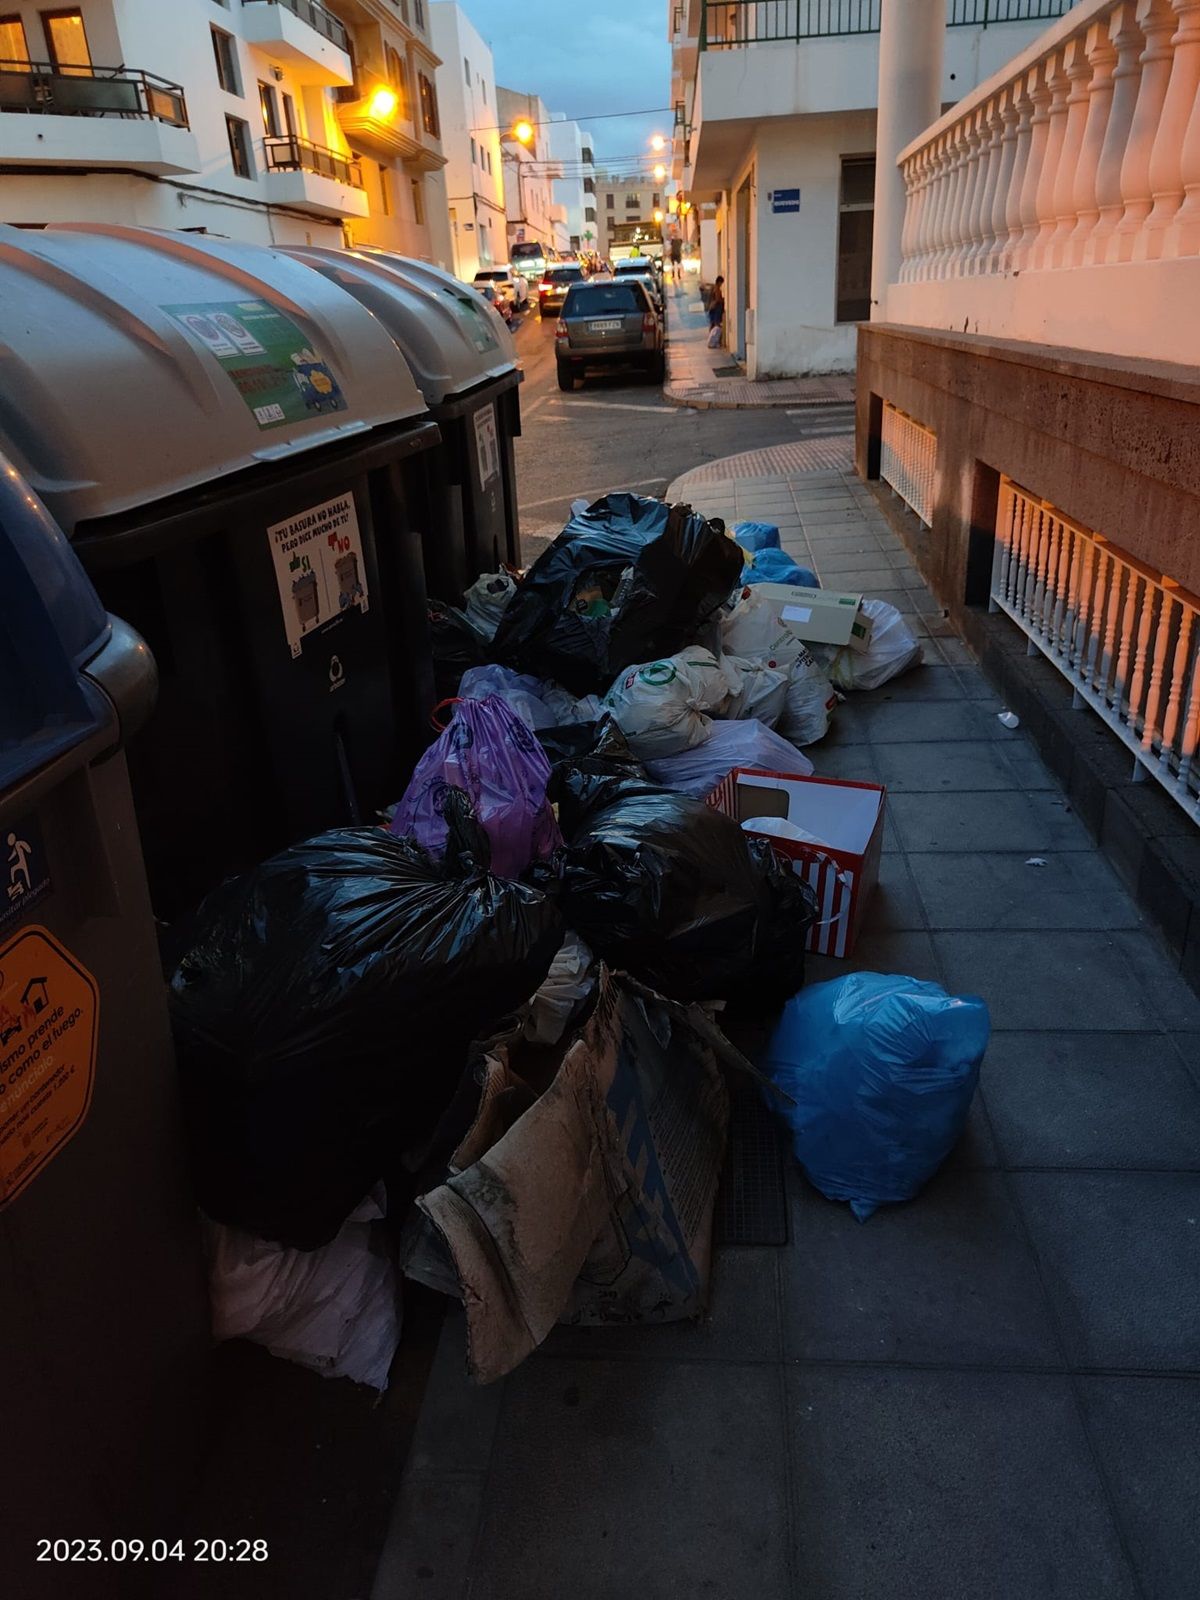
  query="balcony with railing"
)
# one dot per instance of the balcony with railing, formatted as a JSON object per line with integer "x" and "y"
{"x": 93, "y": 116}
{"x": 732, "y": 24}
{"x": 313, "y": 43}
{"x": 1060, "y": 202}
{"x": 314, "y": 178}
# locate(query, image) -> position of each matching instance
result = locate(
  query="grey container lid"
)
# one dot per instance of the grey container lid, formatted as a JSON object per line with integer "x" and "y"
{"x": 116, "y": 387}
{"x": 450, "y": 336}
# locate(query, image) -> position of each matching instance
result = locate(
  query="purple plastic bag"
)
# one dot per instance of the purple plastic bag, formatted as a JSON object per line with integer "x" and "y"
{"x": 487, "y": 750}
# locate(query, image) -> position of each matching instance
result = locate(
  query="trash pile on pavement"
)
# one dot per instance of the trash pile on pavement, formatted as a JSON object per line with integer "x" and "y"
{"x": 479, "y": 1045}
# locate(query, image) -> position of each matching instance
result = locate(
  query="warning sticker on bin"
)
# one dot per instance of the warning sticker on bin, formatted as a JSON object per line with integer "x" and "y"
{"x": 49, "y": 1008}
{"x": 487, "y": 445}
{"x": 273, "y": 367}
{"x": 319, "y": 567}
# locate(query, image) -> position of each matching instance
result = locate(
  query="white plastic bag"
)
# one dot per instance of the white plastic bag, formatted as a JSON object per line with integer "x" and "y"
{"x": 763, "y": 693}
{"x": 893, "y": 649}
{"x": 755, "y": 628}
{"x": 565, "y": 987}
{"x": 538, "y": 703}
{"x": 811, "y": 700}
{"x": 748, "y": 743}
{"x": 487, "y": 598}
{"x": 335, "y": 1310}
{"x": 660, "y": 706}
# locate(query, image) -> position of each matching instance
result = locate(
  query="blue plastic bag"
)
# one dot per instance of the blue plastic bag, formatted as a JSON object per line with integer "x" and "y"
{"x": 882, "y": 1070}
{"x": 754, "y": 536}
{"x": 776, "y": 566}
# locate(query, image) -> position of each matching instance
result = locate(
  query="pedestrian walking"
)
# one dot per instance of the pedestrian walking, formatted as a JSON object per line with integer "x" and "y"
{"x": 716, "y": 314}
{"x": 677, "y": 260}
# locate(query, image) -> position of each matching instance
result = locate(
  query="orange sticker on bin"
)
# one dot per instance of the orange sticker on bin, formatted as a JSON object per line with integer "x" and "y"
{"x": 49, "y": 1008}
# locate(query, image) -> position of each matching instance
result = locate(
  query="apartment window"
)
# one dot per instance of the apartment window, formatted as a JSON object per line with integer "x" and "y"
{"x": 404, "y": 17}
{"x": 239, "y": 146}
{"x": 657, "y": 201}
{"x": 419, "y": 12}
{"x": 14, "y": 48}
{"x": 269, "y": 101}
{"x": 590, "y": 214}
{"x": 385, "y": 190}
{"x": 429, "y": 106}
{"x": 634, "y": 216}
{"x": 488, "y": 155}
{"x": 226, "y": 57}
{"x": 67, "y": 42}
{"x": 398, "y": 75}
{"x": 474, "y": 154}
{"x": 632, "y": 202}
{"x": 289, "y": 116}
{"x": 467, "y": 70}
{"x": 483, "y": 88}
{"x": 856, "y": 221}
{"x": 585, "y": 155}
{"x": 608, "y": 202}
{"x": 418, "y": 201}
{"x": 589, "y": 186}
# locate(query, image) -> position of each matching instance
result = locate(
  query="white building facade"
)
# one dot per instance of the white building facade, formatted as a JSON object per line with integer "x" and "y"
{"x": 622, "y": 199}
{"x": 775, "y": 113}
{"x": 276, "y": 121}
{"x": 575, "y": 191}
{"x": 535, "y": 214}
{"x": 471, "y": 140}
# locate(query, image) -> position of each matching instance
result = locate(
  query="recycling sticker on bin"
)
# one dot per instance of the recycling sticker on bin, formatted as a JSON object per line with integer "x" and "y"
{"x": 318, "y": 566}
{"x": 272, "y": 366}
{"x": 49, "y": 1004}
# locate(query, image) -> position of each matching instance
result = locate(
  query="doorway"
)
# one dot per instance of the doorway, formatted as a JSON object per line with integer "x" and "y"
{"x": 744, "y": 298}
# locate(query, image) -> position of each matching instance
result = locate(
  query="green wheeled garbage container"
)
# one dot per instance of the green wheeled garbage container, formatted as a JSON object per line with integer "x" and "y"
{"x": 466, "y": 366}
{"x": 103, "y": 1321}
{"x": 235, "y": 448}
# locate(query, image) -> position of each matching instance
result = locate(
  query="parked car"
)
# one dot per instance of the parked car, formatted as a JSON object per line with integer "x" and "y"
{"x": 502, "y": 306}
{"x": 556, "y": 280}
{"x": 641, "y": 270}
{"x": 608, "y": 324}
{"x": 508, "y": 283}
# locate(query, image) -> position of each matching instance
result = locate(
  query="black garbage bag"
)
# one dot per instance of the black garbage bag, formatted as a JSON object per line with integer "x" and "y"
{"x": 455, "y": 643}
{"x": 582, "y": 783}
{"x": 664, "y": 887}
{"x": 324, "y": 1010}
{"x": 576, "y": 617}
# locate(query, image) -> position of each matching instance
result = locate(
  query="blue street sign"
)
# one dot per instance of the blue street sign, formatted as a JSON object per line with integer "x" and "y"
{"x": 784, "y": 200}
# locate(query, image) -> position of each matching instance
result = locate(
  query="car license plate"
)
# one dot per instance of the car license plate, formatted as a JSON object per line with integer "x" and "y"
{"x": 604, "y": 327}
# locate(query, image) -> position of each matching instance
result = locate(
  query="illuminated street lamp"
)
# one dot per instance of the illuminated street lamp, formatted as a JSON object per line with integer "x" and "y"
{"x": 658, "y": 216}
{"x": 658, "y": 142}
{"x": 523, "y": 132}
{"x": 660, "y": 171}
{"x": 383, "y": 104}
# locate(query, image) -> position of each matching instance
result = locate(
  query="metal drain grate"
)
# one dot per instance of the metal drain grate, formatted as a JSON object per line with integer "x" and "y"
{"x": 752, "y": 1198}
{"x": 728, "y": 372}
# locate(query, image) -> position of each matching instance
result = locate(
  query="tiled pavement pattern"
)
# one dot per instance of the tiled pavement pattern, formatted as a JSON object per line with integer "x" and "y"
{"x": 692, "y": 367}
{"x": 990, "y": 1393}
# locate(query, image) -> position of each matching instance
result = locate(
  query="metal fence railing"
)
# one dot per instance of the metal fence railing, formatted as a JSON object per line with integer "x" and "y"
{"x": 310, "y": 11}
{"x": 288, "y": 154}
{"x": 730, "y": 24}
{"x": 908, "y": 460}
{"x": 87, "y": 91}
{"x": 1125, "y": 637}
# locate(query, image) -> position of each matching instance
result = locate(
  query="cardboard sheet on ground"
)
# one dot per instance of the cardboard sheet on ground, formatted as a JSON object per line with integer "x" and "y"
{"x": 593, "y": 1202}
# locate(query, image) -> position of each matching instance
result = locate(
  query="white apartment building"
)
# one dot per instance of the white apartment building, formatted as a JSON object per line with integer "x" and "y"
{"x": 471, "y": 141}
{"x": 775, "y": 111}
{"x": 283, "y": 121}
{"x": 571, "y": 148}
{"x": 535, "y": 215}
{"x": 623, "y": 200}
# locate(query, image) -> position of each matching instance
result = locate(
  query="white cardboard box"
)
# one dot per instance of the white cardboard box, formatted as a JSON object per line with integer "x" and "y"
{"x": 821, "y": 616}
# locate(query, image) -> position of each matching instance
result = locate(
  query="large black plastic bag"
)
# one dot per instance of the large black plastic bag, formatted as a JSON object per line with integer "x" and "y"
{"x": 668, "y": 889}
{"x": 683, "y": 568}
{"x": 323, "y": 1012}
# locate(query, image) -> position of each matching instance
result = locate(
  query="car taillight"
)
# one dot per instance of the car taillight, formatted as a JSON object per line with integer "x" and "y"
{"x": 649, "y": 322}
{"x": 560, "y": 329}
{"x": 545, "y": 285}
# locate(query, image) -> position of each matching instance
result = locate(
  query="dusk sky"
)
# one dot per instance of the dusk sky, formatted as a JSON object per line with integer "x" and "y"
{"x": 583, "y": 59}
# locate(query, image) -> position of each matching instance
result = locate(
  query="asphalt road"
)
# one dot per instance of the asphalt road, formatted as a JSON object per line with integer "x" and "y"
{"x": 615, "y": 432}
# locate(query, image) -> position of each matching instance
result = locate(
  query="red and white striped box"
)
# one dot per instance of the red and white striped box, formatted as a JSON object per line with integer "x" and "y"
{"x": 846, "y": 817}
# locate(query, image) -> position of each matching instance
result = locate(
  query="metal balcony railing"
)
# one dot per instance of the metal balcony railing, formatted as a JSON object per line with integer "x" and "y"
{"x": 730, "y": 24}
{"x": 39, "y": 87}
{"x": 325, "y": 23}
{"x": 908, "y": 460}
{"x": 287, "y": 154}
{"x": 1125, "y": 637}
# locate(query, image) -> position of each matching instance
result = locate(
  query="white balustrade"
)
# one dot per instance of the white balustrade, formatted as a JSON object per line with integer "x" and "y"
{"x": 1086, "y": 152}
{"x": 1126, "y": 638}
{"x": 908, "y": 460}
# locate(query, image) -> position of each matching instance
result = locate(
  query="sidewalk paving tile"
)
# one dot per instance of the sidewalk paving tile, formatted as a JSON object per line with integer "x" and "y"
{"x": 1120, "y": 1257}
{"x": 913, "y": 1485}
{"x": 1069, "y": 889}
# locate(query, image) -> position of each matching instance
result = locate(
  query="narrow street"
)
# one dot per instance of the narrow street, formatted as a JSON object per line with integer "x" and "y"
{"x": 619, "y": 432}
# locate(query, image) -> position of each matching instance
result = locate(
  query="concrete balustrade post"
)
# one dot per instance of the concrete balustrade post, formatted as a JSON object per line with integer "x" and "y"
{"x": 1016, "y": 187}
{"x": 940, "y": 187}
{"x": 1166, "y": 175}
{"x": 1183, "y": 233}
{"x": 1128, "y": 41}
{"x": 1040, "y": 93}
{"x": 982, "y": 234}
{"x": 1009, "y": 117}
{"x": 911, "y": 39}
{"x": 1157, "y": 22}
{"x": 1078, "y": 69}
{"x": 952, "y": 218}
{"x": 1059, "y": 85}
{"x": 1103, "y": 58}
{"x": 974, "y": 177}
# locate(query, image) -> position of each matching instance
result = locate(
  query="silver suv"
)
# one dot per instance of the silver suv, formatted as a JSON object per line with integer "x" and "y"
{"x": 608, "y": 325}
